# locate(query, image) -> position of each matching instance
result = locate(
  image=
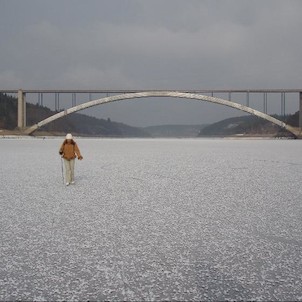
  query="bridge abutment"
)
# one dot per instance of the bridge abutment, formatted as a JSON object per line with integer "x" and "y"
{"x": 21, "y": 109}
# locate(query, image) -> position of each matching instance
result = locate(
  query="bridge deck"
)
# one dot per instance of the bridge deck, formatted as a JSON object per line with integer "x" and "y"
{"x": 158, "y": 90}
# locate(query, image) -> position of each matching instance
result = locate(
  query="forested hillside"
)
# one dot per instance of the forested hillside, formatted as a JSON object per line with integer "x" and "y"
{"x": 8, "y": 112}
{"x": 249, "y": 125}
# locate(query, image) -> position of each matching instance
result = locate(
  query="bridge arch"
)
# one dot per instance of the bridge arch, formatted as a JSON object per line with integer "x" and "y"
{"x": 175, "y": 94}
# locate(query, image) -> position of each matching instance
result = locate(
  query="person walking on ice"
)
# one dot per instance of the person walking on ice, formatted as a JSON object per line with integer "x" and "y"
{"x": 69, "y": 151}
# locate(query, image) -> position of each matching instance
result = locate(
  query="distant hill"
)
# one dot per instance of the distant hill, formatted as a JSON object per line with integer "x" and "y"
{"x": 8, "y": 112}
{"x": 249, "y": 126}
{"x": 174, "y": 130}
{"x": 76, "y": 123}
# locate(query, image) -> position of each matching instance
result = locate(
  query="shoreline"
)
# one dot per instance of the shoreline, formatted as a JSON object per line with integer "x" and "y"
{"x": 44, "y": 134}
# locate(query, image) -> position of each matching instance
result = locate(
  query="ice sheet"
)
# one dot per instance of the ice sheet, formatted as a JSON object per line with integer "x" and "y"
{"x": 152, "y": 219}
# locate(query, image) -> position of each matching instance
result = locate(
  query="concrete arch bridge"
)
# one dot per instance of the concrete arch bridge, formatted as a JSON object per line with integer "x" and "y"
{"x": 296, "y": 131}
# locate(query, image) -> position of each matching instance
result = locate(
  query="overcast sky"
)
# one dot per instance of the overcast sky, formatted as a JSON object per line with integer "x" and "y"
{"x": 153, "y": 44}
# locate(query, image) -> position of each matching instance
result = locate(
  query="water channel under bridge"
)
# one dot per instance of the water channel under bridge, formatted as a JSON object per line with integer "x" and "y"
{"x": 120, "y": 95}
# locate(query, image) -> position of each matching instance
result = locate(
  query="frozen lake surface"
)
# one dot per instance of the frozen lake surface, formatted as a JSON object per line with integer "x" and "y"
{"x": 152, "y": 219}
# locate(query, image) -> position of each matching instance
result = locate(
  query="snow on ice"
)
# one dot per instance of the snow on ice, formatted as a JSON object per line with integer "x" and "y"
{"x": 152, "y": 219}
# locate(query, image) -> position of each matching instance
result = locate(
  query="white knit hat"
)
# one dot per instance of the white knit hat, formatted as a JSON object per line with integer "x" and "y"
{"x": 68, "y": 136}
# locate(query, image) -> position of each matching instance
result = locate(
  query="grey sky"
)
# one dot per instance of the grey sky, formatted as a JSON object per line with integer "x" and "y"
{"x": 153, "y": 44}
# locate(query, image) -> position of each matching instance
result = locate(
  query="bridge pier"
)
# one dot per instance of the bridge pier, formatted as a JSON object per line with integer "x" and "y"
{"x": 21, "y": 110}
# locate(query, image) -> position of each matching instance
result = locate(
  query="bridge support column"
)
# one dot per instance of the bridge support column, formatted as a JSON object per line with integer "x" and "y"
{"x": 21, "y": 109}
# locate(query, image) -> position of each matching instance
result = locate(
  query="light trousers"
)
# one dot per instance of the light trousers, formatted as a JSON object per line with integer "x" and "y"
{"x": 69, "y": 170}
